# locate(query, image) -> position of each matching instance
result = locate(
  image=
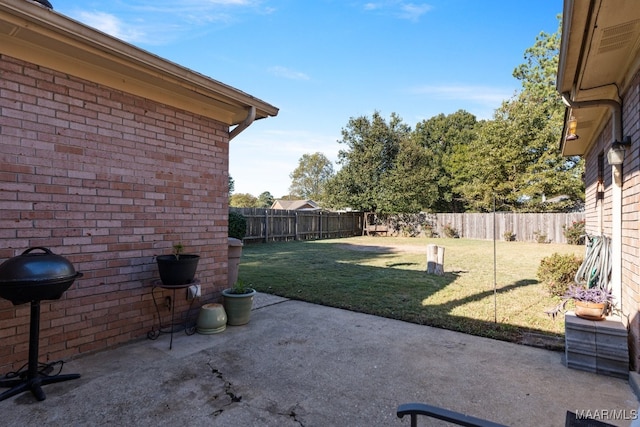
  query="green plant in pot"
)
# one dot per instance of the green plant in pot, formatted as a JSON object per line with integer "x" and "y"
{"x": 238, "y": 301}
{"x": 178, "y": 268}
{"x": 590, "y": 303}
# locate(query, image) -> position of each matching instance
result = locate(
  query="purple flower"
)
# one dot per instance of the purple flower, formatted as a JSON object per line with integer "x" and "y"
{"x": 580, "y": 293}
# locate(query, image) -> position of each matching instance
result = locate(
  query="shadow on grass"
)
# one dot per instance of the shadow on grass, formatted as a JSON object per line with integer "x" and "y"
{"x": 374, "y": 280}
{"x": 449, "y": 306}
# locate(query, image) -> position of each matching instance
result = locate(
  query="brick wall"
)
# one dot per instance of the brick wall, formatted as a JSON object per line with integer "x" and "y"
{"x": 107, "y": 180}
{"x": 600, "y": 210}
{"x": 630, "y": 221}
{"x": 598, "y": 179}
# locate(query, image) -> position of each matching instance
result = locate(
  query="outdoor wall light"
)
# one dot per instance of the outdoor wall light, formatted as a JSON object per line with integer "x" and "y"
{"x": 615, "y": 155}
{"x": 571, "y": 131}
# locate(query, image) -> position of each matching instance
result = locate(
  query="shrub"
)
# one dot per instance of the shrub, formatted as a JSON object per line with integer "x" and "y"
{"x": 237, "y": 225}
{"x": 540, "y": 237}
{"x": 407, "y": 231}
{"x": 557, "y": 272}
{"x": 574, "y": 233}
{"x": 509, "y": 236}
{"x": 429, "y": 230}
{"x": 450, "y": 231}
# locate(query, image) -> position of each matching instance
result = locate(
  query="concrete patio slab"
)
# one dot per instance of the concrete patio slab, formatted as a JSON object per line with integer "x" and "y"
{"x": 301, "y": 364}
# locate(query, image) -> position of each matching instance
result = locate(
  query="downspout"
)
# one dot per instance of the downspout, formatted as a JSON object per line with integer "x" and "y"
{"x": 616, "y": 191}
{"x": 251, "y": 116}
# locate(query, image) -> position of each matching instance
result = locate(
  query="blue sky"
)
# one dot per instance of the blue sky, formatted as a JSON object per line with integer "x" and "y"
{"x": 322, "y": 62}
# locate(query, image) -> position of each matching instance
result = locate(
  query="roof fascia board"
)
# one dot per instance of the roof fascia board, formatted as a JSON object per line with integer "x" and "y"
{"x": 564, "y": 45}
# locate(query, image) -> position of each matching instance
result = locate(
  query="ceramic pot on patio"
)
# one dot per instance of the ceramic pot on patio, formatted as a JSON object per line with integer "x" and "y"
{"x": 212, "y": 319}
{"x": 238, "y": 306}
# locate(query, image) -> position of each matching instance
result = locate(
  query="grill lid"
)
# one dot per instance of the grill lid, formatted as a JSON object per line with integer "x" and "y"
{"x": 34, "y": 268}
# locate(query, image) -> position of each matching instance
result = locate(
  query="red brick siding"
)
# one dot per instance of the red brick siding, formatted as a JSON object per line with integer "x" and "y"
{"x": 630, "y": 206}
{"x": 630, "y": 222}
{"x": 108, "y": 180}
{"x": 598, "y": 212}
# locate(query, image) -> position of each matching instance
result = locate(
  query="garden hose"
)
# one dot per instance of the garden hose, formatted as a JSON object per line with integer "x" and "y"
{"x": 595, "y": 270}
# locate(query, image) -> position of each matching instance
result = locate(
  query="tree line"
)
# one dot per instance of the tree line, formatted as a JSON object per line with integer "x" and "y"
{"x": 454, "y": 162}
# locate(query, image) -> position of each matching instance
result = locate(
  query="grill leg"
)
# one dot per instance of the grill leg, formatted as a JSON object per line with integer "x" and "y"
{"x": 33, "y": 380}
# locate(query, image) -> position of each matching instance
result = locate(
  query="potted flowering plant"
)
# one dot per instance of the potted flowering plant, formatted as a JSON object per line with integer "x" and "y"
{"x": 238, "y": 301}
{"x": 590, "y": 303}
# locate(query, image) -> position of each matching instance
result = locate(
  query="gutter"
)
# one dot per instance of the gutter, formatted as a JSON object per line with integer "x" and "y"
{"x": 564, "y": 41}
{"x": 616, "y": 111}
{"x": 251, "y": 116}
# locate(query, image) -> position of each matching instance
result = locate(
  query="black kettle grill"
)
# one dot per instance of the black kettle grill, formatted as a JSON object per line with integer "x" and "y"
{"x": 32, "y": 277}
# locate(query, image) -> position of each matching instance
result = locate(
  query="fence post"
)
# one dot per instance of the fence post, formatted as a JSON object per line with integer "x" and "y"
{"x": 432, "y": 256}
{"x": 435, "y": 260}
{"x": 440, "y": 263}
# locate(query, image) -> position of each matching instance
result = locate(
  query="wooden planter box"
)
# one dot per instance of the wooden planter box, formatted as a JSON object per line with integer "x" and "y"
{"x": 597, "y": 346}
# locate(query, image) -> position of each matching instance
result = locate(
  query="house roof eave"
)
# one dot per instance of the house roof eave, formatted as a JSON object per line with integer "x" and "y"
{"x": 44, "y": 37}
{"x": 598, "y": 52}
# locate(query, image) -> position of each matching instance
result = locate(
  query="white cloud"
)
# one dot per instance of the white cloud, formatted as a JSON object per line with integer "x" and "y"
{"x": 288, "y": 73}
{"x": 111, "y": 25}
{"x": 262, "y": 159}
{"x": 372, "y": 6}
{"x": 399, "y": 8}
{"x": 412, "y": 11}
{"x": 161, "y": 21}
{"x": 479, "y": 94}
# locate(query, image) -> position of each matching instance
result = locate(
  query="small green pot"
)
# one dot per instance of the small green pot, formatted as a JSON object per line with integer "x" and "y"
{"x": 238, "y": 307}
{"x": 212, "y": 319}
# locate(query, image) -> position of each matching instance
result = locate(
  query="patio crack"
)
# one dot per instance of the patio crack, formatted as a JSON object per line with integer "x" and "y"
{"x": 229, "y": 397}
{"x": 228, "y": 392}
{"x": 294, "y": 417}
{"x": 273, "y": 408}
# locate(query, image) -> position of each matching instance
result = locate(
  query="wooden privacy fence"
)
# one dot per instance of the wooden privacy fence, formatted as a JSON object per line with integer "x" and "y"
{"x": 270, "y": 225}
{"x": 527, "y": 227}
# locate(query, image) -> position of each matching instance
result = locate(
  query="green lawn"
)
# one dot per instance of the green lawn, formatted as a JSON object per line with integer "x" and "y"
{"x": 361, "y": 274}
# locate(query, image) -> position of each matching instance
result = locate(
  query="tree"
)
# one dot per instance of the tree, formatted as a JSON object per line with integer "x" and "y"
{"x": 440, "y": 136}
{"x": 408, "y": 187}
{"x": 549, "y": 174}
{"x": 454, "y": 163}
{"x": 370, "y": 156}
{"x": 538, "y": 74}
{"x": 265, "y": 200}
{"x": 243, "y": 200}
{"x": 311, "y": 176}
{"x": 515, "y": 157}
